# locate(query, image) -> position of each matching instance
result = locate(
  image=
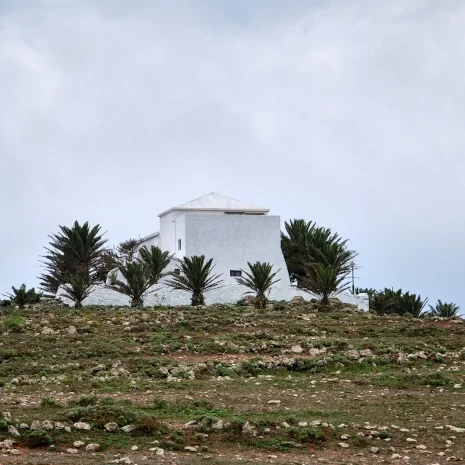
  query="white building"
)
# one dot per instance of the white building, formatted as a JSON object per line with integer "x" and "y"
{"x": 229, "y": 231}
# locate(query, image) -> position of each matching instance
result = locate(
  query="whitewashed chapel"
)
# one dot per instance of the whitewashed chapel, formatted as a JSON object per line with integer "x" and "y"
{"x": 229, "y": 231}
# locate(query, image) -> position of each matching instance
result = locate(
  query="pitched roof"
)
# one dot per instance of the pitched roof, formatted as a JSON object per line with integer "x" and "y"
{"x": 214, "y": 201}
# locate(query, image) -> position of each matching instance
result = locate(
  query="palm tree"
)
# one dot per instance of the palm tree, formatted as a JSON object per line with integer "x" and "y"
{"x": 259, "y": 280}
{"x": 306, "y": 243}
{"x": 384, "y": 302}
{"x": 73, "y": 252}
{"x": 137, "y": 281}
{"x": 324, "y": 281}
{"x": 195, "y": 277}
{"x": 77, "y": 290}
{"x": 21, "y": 296}
{"x": 141, "y": 274}
{"x": 444, "y": 309}
{"x": 156, "y": 260}
{"x": 409, "y": 303}
{"x": 389, "y": 301}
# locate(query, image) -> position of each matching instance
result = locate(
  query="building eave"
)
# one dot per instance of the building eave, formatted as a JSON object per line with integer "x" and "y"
{"x": 150, "y": 236}
{"x": 248, "y": 210}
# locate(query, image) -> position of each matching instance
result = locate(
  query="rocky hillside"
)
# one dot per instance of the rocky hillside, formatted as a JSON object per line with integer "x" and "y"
{"x": 229, "y": 384}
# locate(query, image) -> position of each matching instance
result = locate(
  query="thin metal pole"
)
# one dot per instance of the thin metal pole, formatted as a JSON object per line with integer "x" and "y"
{"x": 352, "y": 265}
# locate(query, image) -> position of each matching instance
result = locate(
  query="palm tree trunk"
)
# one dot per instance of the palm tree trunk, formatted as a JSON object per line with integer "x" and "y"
{"x": 260, "y": 301}
{"x": 197, "y": 299}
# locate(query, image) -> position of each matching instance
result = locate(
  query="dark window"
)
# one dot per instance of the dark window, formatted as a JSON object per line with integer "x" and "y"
{"x": 179, "y": 244}
{"x": 177, "y": 271}
{"x": 235, "y": 273}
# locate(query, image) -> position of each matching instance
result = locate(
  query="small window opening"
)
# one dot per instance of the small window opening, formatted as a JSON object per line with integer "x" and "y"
{"x": 179, "y": 244}
{"x": 177, "y": 271}
{"x": 235, "y": 273}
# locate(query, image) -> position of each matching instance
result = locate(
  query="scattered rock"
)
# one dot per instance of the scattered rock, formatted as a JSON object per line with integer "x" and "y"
{"x": 36, "y": 425}
{"x": 455, "y": 429}
{"x": 72, "y": 451}
{"x": 366, "y": 353}
{"x": 128, "y": 428}
{"x": 375, "y": 450}
{"x": 111, "y": 426}
{"x": 47, "y": 425}
{"x": 12, "y": 431}
{"x": 78, "y": 444}
{"x": 92, "y": 447}
{"x": 72, "y": 331}
{"x": 191, "y": 448}
{"x": 248, "y": 429}
{"x": 274, "y": 402}
{"x": 352, "y": 354}
{"x": 46, "y": 331}
{"x": 344, "y": 445}
{"x": 218, "y": 425}
{"x": 80, "y": 425}
{"x": 297, "y": 349}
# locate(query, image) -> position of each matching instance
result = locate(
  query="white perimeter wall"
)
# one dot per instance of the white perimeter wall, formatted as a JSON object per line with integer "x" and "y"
{"x": 227, "y": 294}
{"x": 231, "y": 240}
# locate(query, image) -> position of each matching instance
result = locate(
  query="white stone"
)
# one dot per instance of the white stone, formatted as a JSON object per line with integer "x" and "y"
{"x": 72, "y": 451}
{"x": 274, "y": 402}
{"x": 352, "y": 354}
{"x": 72, "y": 330}
{"x": 218, "y": 425}
{"x": 36, "y": 425}
{"x": 191, "y": 448}
{"x": 111, "y": 426}
{"x": 343, "y": 445}
{"x": 12, "y": 431}
{"x": 248, "y": 428}
{"x": 80, "y": 425}
{"x": 297, "y": 349}
{"x": 128, "y": 428}
{"x": 455, "y": 429}
{"x": 46, "y": 331}
{"x": 14, "y": 452}
{"x": 92, "y": 447}
{"x": 47, "y": 425}
{"x": 78, "y": 444}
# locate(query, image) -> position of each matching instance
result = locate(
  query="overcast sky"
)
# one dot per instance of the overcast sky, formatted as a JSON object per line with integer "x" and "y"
{"x": 350, "y": 113}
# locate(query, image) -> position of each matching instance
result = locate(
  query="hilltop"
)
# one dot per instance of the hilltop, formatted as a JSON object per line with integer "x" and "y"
{"x": 228, "y": 384}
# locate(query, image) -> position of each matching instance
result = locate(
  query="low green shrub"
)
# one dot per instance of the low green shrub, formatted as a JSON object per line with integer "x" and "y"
{"x": 36, "y": 439}
{"x": 14, "y": 324}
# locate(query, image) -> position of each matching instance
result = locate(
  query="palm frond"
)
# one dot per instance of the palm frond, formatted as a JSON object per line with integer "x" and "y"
{"x": 196, "y": 277}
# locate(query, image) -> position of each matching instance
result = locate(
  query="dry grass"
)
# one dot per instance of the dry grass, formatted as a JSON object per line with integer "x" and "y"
{"x": 161, "y": 368}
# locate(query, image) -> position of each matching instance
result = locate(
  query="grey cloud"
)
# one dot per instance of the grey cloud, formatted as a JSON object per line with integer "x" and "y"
{"x": 347, "y": 113}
